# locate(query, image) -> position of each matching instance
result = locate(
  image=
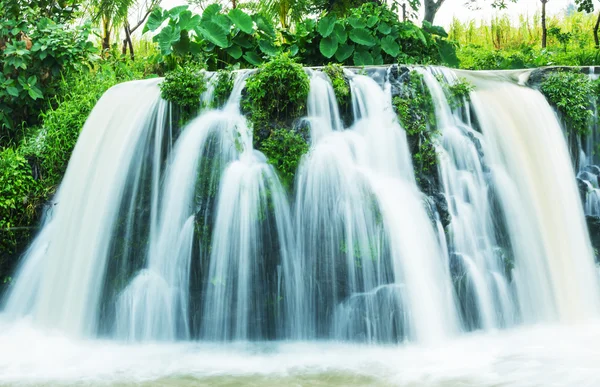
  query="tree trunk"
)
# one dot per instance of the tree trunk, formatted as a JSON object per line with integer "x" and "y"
{"x": 596, "y": 31}
{"x": 544, "y": 29}
{"x": 431, "y": 8}
{"x": 105, "y": 34}
{"x": 233, "y": 4}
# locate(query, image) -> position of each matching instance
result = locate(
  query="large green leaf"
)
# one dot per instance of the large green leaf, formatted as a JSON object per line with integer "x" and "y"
{"x": 326, "y": 25}
{"x": 434, "y": 30}
{"x": 264, "y": 25}
{"x": 363, "y": 37}
{"x": 372, "y": 20}
{"x": 166, "y": 38}
{"x": 390, "y": 46}
{"x": 253, "y": 58}
{"x": 356, "y": 22}
{"x": 448, "y": 53}
{"x": 175, "y": 11}
{"x": 214, "y": 33}
{"x": 235, "y": 51}
{"x": 242, "y": 20}
{"x": 188, "y": 21}
{"x": 243, "y": 41}
{"x": 267, "y": 47}
{"x": 211, "y": 11}
{"x": 328, "y": 46}
{"x": 294, "y": 50}
{"x": 155, "y": 19}
{"x": 223, "y": 21}
{"x": 384, "y": 28}
{"x": 340, "y": 33}
{"x": 363, "y": 58}
{"x": 344, "y": 52}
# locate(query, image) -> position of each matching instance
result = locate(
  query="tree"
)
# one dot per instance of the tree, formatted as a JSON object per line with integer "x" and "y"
{"x": 111, "y": 14}
{"x": 588, "y": 6}
{"x": 544, "y": 27}
{"x": 142, "y": 11}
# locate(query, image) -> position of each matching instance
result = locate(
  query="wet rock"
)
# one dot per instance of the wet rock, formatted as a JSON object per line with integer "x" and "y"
{"x": 593, "y": 224}
{"x": 582, "y": 186}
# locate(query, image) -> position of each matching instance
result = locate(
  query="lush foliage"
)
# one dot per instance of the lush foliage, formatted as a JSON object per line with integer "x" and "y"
{"x": 414, "y": 107}
{"x": 216, "y": 37}
{"x": 341, "y": 86}
{"x": 284, "y": 148}
{"x": 367, "y": 35}
{"x": 275, "y": 95}
{"x": 570, "y": 93}
{"x": 502, "y": 44}
{"x": 223, "y": 88}
{"x": 184, "y": 87}
{"x": 34, "y": 48}
{"x": 457, "y": 92}
{"x": 17, "y": 206}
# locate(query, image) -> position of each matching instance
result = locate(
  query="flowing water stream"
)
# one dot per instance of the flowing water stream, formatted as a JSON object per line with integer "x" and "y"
{"x": 178, "y": 257}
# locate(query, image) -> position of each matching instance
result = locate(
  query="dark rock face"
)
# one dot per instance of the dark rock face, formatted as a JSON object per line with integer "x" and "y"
{"x": 593, "y": 223}
{"x": 398, "y": 76}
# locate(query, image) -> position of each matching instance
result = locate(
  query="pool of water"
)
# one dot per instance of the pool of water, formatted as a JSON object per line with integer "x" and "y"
{"x": 531, "y": 356}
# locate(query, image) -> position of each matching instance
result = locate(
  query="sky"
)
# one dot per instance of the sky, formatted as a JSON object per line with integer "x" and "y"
{"x": 456, "y": 8}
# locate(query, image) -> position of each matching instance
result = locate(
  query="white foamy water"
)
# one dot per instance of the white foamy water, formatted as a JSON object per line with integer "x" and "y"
{"x": 535, "y": 356}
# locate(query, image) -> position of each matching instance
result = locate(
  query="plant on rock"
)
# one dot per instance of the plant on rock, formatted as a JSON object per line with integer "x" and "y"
{"x": 570, "y": 92}
{"x": 184, "y": 87}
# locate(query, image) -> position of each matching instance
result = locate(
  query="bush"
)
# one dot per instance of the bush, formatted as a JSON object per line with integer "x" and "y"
{"x": 570, "y": 93}
{"x": 17, "y": 206}
{"x": 275, "y": 96}
{"x": 184, "y": 87}
{"x": 284, "y": 148}
{"x": 223, "y": 88}
{"x": 341, "y": 86}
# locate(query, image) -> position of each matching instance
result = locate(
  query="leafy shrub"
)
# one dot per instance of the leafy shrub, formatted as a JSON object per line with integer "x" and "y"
{"x": 340, "y": 84}
{"x": 284, "y": 149}
{"x": 223, "y": 88}
{"x": 415, "y": 111}
{"x": 223, "y": 37}
{"x": 16, "y": 205}
{"x": 184, "y": 87}
{"x": 570, "y": 93}
{"x": 275, "y": 96}
{"x": 457, "y": 92}
{"x": 34, "y": 50}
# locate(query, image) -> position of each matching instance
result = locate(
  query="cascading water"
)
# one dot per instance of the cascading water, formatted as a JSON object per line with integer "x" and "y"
{"x": 168, "y": 234}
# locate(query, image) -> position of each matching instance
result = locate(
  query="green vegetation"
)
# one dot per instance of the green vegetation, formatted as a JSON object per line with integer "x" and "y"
{"x": 341, "y": 86}
{"x": 570, "y": 93}
{"x": 501, "y": 44}
{"x": 275, "y": 96}
{"x": 184, "y": 87}
{"x": 458, "y": 92}
{"x": 284, "y": 148}
{"x": 223, "y": 87}
{"x": 414, "y": 107}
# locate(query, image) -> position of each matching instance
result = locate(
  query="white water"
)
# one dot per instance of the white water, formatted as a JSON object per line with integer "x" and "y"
{"x": 554, "y": 266}
{"x": 190, "y": 236}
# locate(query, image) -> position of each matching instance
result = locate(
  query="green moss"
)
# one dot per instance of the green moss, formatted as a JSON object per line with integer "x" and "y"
{"x": 284, "y": 149}
{"x": 415, "y": 111}
{"x": 223, "y": 88}
{"x": 341, "y": 86}
{"x": 458, "y": 92}
{"x": 570, "y": 93}
{"x": 275, "y": 96}
{"x": 184, "y": 87}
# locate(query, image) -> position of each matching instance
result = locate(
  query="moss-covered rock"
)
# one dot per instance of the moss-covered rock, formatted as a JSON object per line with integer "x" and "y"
{"x": 274, "y": 99}
{"x": 183, "y": 87}
{"x": 341, "y": 88}
{"x": 223, "y": 88}
{"x": 414, "y": 107}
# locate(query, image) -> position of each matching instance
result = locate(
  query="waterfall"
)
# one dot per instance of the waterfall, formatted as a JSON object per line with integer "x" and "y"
{"x": 533, "y": 174}
{"x": 161, "y": 233}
